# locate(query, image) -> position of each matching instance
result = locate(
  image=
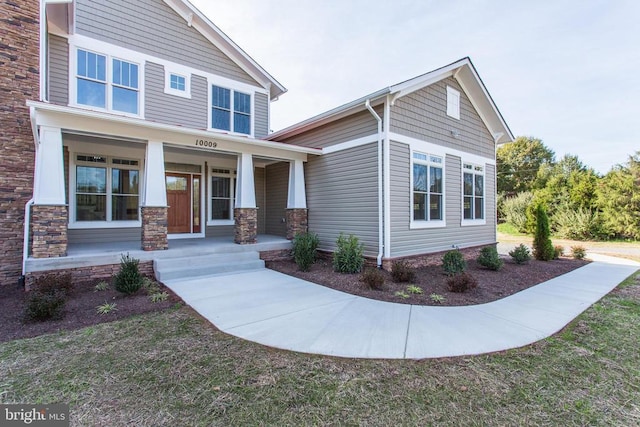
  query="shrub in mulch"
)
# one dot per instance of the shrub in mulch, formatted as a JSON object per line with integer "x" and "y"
{"x": 373, "y": 278}
{"x": 129, "y": 279}
{"x": 520, "y": 254}
{"x": 490, "y": 259}
{"x": 402, "y": 272}
{"x": 48, "y": 297}
{"x": 461, "y": 282}
{"x": 453, "y": 263}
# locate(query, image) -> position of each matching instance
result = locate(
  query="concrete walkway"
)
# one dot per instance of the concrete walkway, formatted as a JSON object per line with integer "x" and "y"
{"x": 281, "y": 311}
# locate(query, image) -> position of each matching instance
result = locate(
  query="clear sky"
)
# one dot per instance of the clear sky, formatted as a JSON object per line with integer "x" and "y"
{"x": 565, "y": 71}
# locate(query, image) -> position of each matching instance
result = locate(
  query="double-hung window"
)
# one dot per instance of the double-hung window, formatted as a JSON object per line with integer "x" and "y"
{"x": 473, "y": 192}
{"x": 230, "y": 110}
{"x": 109, "y": 83}
{"x": 428, "y": 187}
{"x": 223, "y": 186}
{"x": 106, "y": 189}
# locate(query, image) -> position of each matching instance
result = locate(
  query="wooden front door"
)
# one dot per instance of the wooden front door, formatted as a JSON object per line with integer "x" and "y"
{"x": 179, "y": 201}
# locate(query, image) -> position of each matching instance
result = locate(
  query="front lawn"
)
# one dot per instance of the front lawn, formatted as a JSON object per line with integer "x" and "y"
{"x": 171, "y": 368}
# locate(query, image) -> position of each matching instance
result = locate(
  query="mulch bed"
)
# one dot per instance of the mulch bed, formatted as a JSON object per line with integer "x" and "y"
{"x": 492, "y": 285}
{"x": 80, "y": 310}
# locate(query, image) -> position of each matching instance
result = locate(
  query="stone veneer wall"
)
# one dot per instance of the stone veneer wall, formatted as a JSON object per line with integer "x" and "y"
{"x": 19, "y": 82}
{"x": 297, "y": 222}
{"x": 246, "y": 228}
{"x": 154, "y": 228}
{"x": 93, "y": 274}
{"x": 49, "y": 231}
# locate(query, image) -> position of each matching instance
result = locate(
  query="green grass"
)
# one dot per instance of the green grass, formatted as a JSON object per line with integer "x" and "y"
{"x": 171, "y": 368}
{"x": 507, "y": 228}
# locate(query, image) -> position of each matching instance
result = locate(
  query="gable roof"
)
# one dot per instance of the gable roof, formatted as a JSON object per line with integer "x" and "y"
{"x": 462, "y": 70}
{"x": 216, "y": 36}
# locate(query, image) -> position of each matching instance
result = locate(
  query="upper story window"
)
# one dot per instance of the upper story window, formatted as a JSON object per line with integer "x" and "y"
{"x": 108, "y": 83}
{"x": 453, "y": 103}
{"x": 473, "y": 192}
{"x": 428, "y": 187}
{"x": 177, "y": 83}
{"x": 231, "y": 113}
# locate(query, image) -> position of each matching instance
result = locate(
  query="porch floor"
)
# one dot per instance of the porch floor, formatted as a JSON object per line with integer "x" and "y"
{"x": 103, "y": 253}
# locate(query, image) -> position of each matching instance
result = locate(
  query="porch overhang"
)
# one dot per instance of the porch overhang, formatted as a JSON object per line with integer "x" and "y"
{"x": 73, "y": 119}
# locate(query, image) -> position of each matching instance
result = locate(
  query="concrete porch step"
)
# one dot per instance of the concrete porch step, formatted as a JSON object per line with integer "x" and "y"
{"x": 205, "y": 265}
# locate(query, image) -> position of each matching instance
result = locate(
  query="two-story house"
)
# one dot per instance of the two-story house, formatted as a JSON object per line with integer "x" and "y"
{"x": 149, "y": 124}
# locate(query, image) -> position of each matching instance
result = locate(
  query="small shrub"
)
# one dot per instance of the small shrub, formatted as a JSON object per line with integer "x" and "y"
{"x": 52, "y": 283}
{"x": 461, "y": 282}
{"x": 43, "y": 306}
{"x": 128, "y": 280}
{"x": 453, "y": 263}
{"x": 158, "y": 297}
{"x": 520, "y": 254}
{"x": 578, "y": 252}
{"x": 558, "y": 251}
{"x": 402, "y": 294}
{"x": 106, "y": 308}
{"x": 437, "y": 298}
{"x": 402, "y": 272}
{"x": 304, "y": 250}
{"x": 373, "y": 278}
{"x": 348, "y": 256}
{"x": 413, "y": 289}
{"x": 490, "y": 259}
{"x": 100, "y": 287}
{"x": 542, "y": 246}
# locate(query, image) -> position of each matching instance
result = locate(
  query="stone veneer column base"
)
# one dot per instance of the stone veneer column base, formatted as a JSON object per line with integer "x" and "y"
{"x": 246, "y": 225}
{"x": 154, "y": 228}
{"x": 49, "y": 231}
{"x": 296, "y": 222}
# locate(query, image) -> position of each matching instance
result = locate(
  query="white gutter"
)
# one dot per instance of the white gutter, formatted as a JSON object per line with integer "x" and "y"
{"x": 387, "y": 178}
{"x": 27, "y": 228}
{"x": 380, "y": 199}
{"x": 43, "y": 52}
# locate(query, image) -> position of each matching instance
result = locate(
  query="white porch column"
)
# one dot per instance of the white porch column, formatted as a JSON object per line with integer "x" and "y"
{"x": 245, "y": 184}
{"x": 155, "y": 193}
{"x": 297, "y": 197}
{"x": 48, "y": 185}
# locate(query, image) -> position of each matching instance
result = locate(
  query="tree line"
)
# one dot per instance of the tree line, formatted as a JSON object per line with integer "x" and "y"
{"x": 581, "y": 203}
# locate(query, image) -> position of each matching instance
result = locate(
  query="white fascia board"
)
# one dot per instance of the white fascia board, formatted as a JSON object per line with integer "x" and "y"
{"x": 76, "y": 119}
{"x": 375, "y": 98}
{"x": 215, "y": 35}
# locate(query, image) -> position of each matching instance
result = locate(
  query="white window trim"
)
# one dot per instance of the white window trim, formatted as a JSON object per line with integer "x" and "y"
{"x": 453, "y": 110}
{"x": 232, "y": 88}
{"x": 232, "y": 174}
{"x": 423, "y": 224}
{"x": 109, "y": 223}
{"x": 178, "y": 72}
{"x": 473, "y": 222}
{"x": 110, "y": 56}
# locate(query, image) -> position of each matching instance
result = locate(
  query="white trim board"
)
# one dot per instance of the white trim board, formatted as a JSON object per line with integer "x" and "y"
{"x": 351, "y": 144}
{"x": 441, "y": 150}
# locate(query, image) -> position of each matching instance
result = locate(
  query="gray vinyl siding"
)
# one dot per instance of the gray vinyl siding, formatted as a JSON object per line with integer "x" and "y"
{"x": 406, "y": 241}
{"x": 352, "y": 127}
{"x": 423, "y": 115}
{"x": 104, "y": 235}
{"x": 220, "y": 231}
{"x": 58, "y": 70}
{"x": 164, "y": 108}
{"x": 259, "y": 177}
{"x": 277, "y": 186}
{"x": 261, "y": 119}
{"x": 342, "y": 196}
{"x": 152, "y": 27}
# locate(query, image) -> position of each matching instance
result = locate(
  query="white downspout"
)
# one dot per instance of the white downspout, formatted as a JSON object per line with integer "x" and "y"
{"x": 27, "y": 206}
{"x": 380, "y": 199}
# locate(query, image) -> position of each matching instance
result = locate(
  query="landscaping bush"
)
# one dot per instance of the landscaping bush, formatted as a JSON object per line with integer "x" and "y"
{"x": 461, "y": 282}
{"x": 577, "y": 224}
{"x": 373, "y": 278}
{"x": 514, "y": 210}
{"x": 54, "y": 282}
{"x": 558, "y": 251}
{"x": 348, "y": 256}
{"x": 578, "y": 252}
{"x": 453, "y": 263}
{"x": 128, "y": 280}
{"x": 520, "y": 254}
{"x": 490, "y": 259}
{"x": 304, "y": 250}
{"x": 43, "y": 306}
{"x": 542, "y": 246}
{"x": 402, "y": 272}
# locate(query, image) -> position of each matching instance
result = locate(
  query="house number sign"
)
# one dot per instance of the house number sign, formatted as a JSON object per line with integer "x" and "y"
{"x": 206, "y": 143}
